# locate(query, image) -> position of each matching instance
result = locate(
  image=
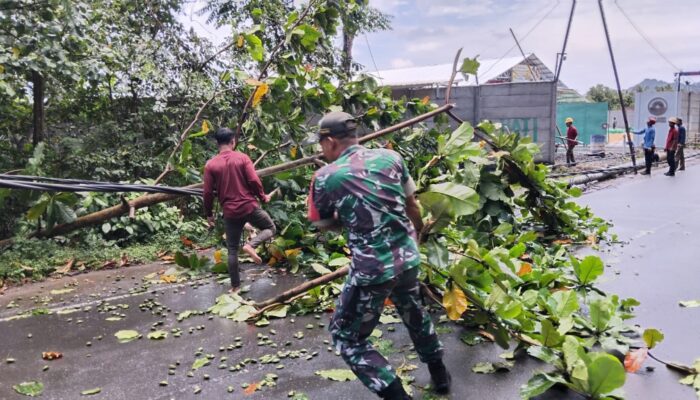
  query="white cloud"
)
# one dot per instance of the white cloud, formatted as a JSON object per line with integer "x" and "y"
{"x": 457, "y": 8}
{"x": 401, "y": 63}
{"x": 417, "y": 47}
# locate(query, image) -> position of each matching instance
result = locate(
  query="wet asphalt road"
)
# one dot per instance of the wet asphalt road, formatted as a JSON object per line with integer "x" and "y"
{"x": 658, "y": 216}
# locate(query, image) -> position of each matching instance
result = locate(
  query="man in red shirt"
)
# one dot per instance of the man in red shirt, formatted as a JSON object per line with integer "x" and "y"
{"x": 671, "y": 146}
{"x": 232, "y": 175}
{"x": 571, "y": 142}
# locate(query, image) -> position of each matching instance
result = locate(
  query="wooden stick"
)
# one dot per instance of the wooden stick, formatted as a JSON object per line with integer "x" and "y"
{"x": 452, "y": 78}
{"x": 304, "y": 287}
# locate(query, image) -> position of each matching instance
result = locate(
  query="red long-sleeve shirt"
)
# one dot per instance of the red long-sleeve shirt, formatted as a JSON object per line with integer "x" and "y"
{"x": 237, "y": 185}
{"x": 672, "y": 139}
{"x": 571, "y": 135}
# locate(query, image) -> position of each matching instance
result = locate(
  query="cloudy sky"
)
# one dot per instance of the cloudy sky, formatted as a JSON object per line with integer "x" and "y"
{"x": 430, "y": 31}
{"x": 426, "y": 32}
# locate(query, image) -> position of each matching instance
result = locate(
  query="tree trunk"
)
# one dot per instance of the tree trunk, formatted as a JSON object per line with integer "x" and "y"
{"x": 348, "y": 39}
{"x": 151, "y": 199}
{"x": 38, "y": 88}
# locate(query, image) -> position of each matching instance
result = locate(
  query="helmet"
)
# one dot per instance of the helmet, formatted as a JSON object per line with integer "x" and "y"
{"x": 569, "y": 120}
{"x": 673, "y": 120}
{"x": 337, "y": 124}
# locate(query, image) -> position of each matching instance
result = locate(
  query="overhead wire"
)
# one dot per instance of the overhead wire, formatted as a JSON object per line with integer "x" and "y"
{"x": 523, "y": 37}
{"x": 75, "y": 185}
{"x": 371, "y": 55}
{"x": 645, "y": 37}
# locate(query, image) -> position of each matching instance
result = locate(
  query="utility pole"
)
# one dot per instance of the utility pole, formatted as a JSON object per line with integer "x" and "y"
{"x": 619, "y": 88}
{"x": 566, "y": 40}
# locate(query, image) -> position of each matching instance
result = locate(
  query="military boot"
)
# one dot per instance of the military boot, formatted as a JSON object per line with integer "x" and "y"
{"x": 441, "y": 378}
{"x": 394, "y": 391}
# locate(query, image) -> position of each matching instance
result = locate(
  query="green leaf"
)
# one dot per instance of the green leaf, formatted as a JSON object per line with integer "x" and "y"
{"x": 605, "y": 374}
{"x": 460, "y": 137}
{"x": 340, "y": 375}
{"x": 550, "y": 336}
{"x": 37, "y": 210}
{"x": 200, "y": 362}
{"x": 450, "y": 199}
{"x": 158, "y": 335}
{"x": 277, "y": 312}
{"x": 652, "y": 337}
{"x": 600, "y": 313}
{"x": 566, "y": 303}
{"x": 470, "y": 65}
{"x": 90, "y": 392}
{"x": 689, "y": 303}
{"x": 180, "y": 259}
{"x": 490, "y": 368}
{"x": 226, "y": 305}
{"x": 64, "y": 214}
{"x": 537, "y": 385}
{"x": 31, "y": 388}
{"x": 125, "y": 336}
{"x": 220, "y": 268}
{"x": 320, "y": 269}
{"x": 339, "y": 262}
{"x": 309, "y": 36}
{"x": 589, "y": 269}
{"x": 255, "y": 46}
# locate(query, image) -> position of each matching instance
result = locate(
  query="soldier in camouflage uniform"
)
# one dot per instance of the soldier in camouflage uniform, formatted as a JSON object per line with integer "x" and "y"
{"x": 371, "y": 193}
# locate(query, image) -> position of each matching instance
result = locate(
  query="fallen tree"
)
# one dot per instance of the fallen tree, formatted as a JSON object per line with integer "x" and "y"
{"x": 128, "y": 207}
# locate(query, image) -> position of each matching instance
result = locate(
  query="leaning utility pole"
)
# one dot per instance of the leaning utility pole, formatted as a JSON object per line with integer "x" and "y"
{"x": 619, "y": 88}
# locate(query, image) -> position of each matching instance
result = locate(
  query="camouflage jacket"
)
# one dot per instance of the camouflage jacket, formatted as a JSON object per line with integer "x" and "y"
{"x": 367, "y": 191}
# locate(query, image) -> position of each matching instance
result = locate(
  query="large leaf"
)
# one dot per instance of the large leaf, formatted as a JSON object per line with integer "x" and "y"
{"x": 127, "y": 335}
{"x": 537, "y": 385}
{"x": 340, "y": 375}
{"x": 652, "y": 337}
{"x": 589, "y": 269}
{"x": 31, "y": 388}
{"x": 550, "y": 336}
{"x": 470, "y": 65}
{"x": 450, "y": 199}
{"x": 600, "y": 313}
{"x": 255, "y": 47}
{"x": 605, "y": 374}
{"x": 459, "y": 138}
{"x": 455, "y": 302}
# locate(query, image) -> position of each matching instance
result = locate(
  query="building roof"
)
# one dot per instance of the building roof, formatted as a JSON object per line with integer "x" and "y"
{"x": 490, "y": 71}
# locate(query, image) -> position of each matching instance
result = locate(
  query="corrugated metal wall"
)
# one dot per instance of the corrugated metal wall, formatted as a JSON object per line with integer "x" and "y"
{"x": 588, "y": 119}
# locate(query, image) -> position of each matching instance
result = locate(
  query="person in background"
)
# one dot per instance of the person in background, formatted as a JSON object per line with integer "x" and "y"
{"x": 371, "y": 194}
{"x": 671, "y": 146}
{"x": 680, "y": 157}
{"x": 571, "y": 142}
{"x": 232, "y": 175}
{"x": 649, "y": 134}
{"x": 614, "y": 122}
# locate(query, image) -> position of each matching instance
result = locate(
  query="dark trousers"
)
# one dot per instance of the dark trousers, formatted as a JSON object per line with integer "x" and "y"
{"x": 234, "y": 228}
{"x": 671, "y": 160}
{"x": 648, "y": 159}
{"x": 680, "y": 157}
{"x": 357, "y": 314}
{"x": 570, "y": 155}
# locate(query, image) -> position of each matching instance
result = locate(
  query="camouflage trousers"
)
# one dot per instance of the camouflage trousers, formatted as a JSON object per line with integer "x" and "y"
{"x": 357, "y": 314}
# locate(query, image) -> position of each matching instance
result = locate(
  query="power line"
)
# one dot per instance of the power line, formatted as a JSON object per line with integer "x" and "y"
{"x": 645, "y": 37}
{"x": 522, "y": 38}
{"x": 371, "y": 55}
